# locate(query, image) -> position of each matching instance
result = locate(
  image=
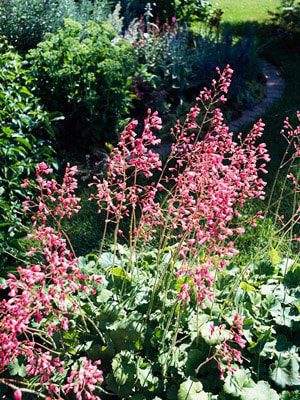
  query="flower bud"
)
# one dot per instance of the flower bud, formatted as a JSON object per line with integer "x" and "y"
{"x": 18, "y": 394}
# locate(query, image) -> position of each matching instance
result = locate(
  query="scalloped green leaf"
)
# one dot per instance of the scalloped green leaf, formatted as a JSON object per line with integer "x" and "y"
{"x": 261, "y": 391}
{"x": 237, "y": 382}
{"x": 285, "y": 372}
{"x": 192, "y": 390}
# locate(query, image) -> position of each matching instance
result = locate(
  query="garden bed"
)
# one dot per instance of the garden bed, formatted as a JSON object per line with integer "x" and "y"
{"x": 167, "y": 266}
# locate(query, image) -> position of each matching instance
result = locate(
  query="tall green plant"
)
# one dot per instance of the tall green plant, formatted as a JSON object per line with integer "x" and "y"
{"x": 22, "y": 145}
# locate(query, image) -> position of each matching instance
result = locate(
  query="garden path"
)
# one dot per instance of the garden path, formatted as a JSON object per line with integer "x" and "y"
{"x": 274, "y": 91}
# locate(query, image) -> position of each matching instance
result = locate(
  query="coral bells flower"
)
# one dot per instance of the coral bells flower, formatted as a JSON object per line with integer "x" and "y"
{"x": 63, "y": 201}
{"x": 236, "y": 330}
{"x": 43, "y": 365}
{"x": 292, "y": 135}
{"x": 133, "y": 159}
{"x": 226, "y": 354}
{"x": 211, "y": 176}
{"x": 83, "y": 382}
{"x": 25, "y": 183}
{"x": 41, "y": 295}
{"x": 219, "y": 87}
{"x": 43, "y": 168}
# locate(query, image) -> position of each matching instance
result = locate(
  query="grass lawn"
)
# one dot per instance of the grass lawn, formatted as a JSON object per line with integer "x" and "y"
{"x": 246, "y": 10}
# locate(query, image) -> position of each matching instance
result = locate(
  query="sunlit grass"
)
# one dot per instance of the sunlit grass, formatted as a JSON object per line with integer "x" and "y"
{"x": 246, "y": 10}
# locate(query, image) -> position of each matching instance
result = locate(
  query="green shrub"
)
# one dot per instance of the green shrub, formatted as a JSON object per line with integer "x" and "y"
{"x": 21, "y": 146}
{"x": 159, "y": 9}
{"x": 194, "y": 10}
{"x": 85, "y": 73}
{"x": 162, "y": 11}
{"x": 24, "y": 22}
{"x": 290, "y": 395}
{"x": 287, "y": 18}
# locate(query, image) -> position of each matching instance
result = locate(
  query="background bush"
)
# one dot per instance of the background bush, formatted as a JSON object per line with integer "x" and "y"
{"x": 24, "y": 22}
{"x": 288, "y": 19}
{"x": 194, "y": 10}
{"x": 21, "y": 144}
{"x": 162, "y": 10}
{"x": 85, "y": 72}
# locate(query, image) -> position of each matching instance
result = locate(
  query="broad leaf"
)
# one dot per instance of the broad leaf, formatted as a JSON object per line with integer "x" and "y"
{"x": 215, "y": 337}
{"x": 237, "y": 382}
{"x": 285, "y": 372}
{"x": 274, "y": 256}
{"x": 15, "y": 368}
{"x": 191, "y": 390}
{"x": 124, "y": 368}
{"x": 261, "y": 391}
{"x": 108, "y": 260}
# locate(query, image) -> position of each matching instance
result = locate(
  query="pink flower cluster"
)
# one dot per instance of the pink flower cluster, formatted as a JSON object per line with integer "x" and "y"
{"x": 145, "y": 33}
{"x": 207, "y": 178}
{"x": 194, "y": 206}
{"x": 213, "y": 177}
{"x": 84, "y": 381}
{"x": 122, "y": 193}
{"x": 43, "y": 365}
{"x": 225, "y": 354}
{"x": 292, "y": 135}
{"x": 41, "y": 294}
{"x": 55, "y": 201}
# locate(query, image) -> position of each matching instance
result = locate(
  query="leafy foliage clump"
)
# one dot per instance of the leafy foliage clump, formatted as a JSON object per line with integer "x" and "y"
{"x": 22, "y": 145}
{"x": 287, "y": 18}
{"x": 163, "y": 11}
{"x": 85, "y": 72}
{"x": 141, "y": 353}
{"x": 189, "y": 11}
{"x": 24, "y": 22}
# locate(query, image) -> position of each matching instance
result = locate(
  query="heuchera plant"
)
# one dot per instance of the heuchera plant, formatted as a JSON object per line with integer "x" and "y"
{"x": 41, "y": 297}
{"x": 190, "y": 204}
{"x": 206, "y": 179}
